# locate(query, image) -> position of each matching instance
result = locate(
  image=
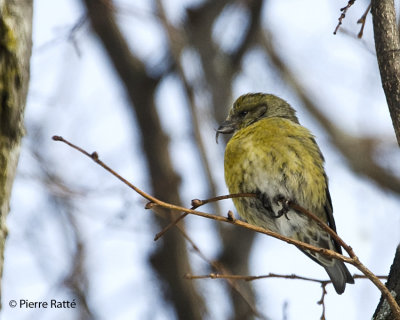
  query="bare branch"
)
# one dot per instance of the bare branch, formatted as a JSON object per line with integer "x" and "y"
{"x": 197, "y": 203}
{"x": 322, "y": 300}
{"x": 268, "y": 276}
{"x": 343, "y": 15}
{"x": 362, "y": 21}
{"x": 155, "y": 203}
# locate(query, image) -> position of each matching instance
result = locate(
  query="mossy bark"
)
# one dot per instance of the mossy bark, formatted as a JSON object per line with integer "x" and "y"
{"x": 15, "y": 52}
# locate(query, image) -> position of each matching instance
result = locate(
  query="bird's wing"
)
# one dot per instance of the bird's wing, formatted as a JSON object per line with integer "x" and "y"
{"x": 329, "y": 215}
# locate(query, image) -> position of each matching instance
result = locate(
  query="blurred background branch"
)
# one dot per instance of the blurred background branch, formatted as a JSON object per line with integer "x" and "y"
{"x": 170, "y": 260}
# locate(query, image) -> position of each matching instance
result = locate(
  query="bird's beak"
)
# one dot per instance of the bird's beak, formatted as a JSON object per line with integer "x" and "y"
{"x": 226, "y": 127}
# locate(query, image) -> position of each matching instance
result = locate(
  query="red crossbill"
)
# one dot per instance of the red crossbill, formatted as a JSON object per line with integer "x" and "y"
{"x": 272, "y": 155}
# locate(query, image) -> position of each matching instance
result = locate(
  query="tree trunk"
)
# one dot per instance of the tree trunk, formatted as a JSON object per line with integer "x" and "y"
{"x": 387, "y": 44}
{"x": 383, "y": 311}
{"x": 15, "y": 52}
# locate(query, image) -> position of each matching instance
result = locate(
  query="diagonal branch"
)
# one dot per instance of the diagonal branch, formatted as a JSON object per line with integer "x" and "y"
{"x": 156, "y": 203}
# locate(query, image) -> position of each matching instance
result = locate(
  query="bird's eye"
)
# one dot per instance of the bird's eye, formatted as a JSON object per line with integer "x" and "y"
{"x": 242, "y": 114}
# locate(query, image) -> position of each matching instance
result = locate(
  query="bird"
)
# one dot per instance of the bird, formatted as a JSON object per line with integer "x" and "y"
{"x": 271, "y": 155}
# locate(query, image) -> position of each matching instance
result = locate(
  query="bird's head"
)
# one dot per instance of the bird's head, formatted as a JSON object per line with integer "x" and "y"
{"x": 251, "y": 107}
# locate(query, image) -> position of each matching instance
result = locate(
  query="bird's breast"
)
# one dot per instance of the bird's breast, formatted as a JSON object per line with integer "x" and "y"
{"x": 276, "y": 156}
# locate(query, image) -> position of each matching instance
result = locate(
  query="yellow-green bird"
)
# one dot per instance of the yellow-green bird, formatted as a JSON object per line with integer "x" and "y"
{"x": 272, "y": 155}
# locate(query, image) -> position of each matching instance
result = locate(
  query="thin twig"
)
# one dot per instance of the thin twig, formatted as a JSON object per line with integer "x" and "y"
{"x": 195, "y": 204}
{"x": 267, "y": 276}
{"x": 343, "y": 15}
{"x": 362, "y": 20}
{"x": 95, "y": 157}
{"x": 250, "y": 278}
{"x": 322, "y": 300}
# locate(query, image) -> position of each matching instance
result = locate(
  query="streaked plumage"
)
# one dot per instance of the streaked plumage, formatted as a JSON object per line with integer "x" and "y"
{"x": 272, "y": 155}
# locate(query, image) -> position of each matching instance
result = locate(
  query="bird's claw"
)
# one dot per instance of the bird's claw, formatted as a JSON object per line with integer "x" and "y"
{"x": 280, "y": 199}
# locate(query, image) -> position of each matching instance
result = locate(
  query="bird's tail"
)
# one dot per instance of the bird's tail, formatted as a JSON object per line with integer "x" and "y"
{"x": 339, "y": 275}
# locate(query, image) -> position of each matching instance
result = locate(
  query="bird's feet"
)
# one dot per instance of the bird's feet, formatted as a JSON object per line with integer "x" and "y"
{"x": 278, "y": 200}
{"x": 281, "y": 200}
